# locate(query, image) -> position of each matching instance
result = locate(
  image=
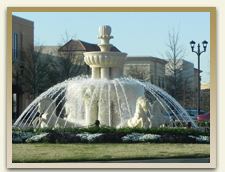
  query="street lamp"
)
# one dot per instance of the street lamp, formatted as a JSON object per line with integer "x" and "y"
{"x": 199, "y": 52}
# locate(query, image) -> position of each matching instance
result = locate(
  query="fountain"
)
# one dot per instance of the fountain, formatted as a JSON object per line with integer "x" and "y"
{"x": 107, "y": 97}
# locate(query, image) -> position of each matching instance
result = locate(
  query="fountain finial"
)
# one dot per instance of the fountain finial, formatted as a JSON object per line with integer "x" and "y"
{"x": 105, "y": 36}
{"x": 105, "y": 64}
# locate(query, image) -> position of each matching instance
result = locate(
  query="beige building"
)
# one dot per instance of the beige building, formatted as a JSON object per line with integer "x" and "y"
{"x": 22, "y": 42}
{"x": 146, "y": 68}
{"x": 73, "y": 49}
{"x": 188, "y": 85}
{"x": 205, "y": 96}
{"x": 49, "y": 50}
{"x": 185, "y": 70}
{"x": 157, "y": 71}
{"x": 22, "y": 36}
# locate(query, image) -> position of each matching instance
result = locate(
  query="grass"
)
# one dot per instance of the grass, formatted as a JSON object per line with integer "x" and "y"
{"x": 94, "y": 152}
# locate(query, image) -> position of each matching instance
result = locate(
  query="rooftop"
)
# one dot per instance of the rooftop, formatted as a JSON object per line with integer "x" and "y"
{"x": 78, "y": 45}
{"x": 22, "y": 21}
{"x": 134, "y": 59}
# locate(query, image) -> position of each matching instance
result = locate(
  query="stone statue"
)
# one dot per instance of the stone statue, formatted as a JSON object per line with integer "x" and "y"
{"x": 158, "y": 117}
{"x": 91, "y": 105}
{"x": 147, "y": 115}
{"x": 47, "y": 117}
{"x": 141, "y": 117}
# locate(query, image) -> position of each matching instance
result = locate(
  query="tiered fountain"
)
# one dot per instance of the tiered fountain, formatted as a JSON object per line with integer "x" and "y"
{"x": 106, "y": 97}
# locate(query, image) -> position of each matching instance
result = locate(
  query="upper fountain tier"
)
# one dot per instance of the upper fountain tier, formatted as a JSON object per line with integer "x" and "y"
{"x": 105, "y": 64}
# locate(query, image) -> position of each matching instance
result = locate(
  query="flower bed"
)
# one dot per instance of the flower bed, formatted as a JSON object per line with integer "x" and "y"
{"x": 110, "y": 135}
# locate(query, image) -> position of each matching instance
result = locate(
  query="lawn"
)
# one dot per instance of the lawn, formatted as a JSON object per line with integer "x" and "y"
{"x": 89, "y": 152}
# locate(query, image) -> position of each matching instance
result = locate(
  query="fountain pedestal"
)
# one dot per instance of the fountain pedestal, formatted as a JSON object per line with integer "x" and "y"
{"x": 105, "y": 73}
{"x": 105, "y": 64}
{"x": 95, "y": 72}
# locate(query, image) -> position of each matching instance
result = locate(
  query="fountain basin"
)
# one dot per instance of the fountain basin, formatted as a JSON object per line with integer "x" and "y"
{"x": 112, "y": 102}
{"x": 105, "y": 59}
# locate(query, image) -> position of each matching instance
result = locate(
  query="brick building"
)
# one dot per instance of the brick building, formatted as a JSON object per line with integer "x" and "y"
{"x": 22, "y": 42}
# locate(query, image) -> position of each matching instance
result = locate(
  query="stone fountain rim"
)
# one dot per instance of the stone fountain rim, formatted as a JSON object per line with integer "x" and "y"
{"x": 111, "y": 53}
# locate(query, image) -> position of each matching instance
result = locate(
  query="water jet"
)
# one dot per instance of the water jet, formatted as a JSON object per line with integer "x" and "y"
{"x": 106, "y": 97}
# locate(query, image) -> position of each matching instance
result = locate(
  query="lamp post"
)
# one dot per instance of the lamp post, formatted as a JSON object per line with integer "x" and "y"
{"x": 198, "y": 52}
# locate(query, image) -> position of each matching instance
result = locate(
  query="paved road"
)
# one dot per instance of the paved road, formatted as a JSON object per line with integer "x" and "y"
{"x": 175, "y": 160}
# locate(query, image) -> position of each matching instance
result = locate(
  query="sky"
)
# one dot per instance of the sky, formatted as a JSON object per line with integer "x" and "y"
{"x": 136, "y": 33}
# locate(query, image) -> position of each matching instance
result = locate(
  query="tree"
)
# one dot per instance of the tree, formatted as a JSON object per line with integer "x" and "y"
{"x": 70, "y": 63}
{"x": 137, "y": 72}
{"x": 180, "y": 81}
{"x": 175, "y": 55}
{"x": 34, "y": 67}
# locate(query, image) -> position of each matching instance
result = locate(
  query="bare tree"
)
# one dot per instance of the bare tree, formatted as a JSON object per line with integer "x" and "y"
{"x": 174, "y": 54}
{"x": 137, "y": 72}
{"x": 70, "y": 63}
{"x": 34, "y": 70}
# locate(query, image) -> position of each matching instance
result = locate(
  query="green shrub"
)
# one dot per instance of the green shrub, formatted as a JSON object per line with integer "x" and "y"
{"x": 204, "y": 124}
{"x": 93, "y": 130}
{"x": 113, "y": 135}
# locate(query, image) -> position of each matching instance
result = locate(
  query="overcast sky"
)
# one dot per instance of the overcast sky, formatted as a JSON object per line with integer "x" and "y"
{"x": 136, "y": 33}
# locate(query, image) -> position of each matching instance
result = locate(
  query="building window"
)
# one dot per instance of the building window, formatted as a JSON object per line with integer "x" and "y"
{"x": 15, "y": 46}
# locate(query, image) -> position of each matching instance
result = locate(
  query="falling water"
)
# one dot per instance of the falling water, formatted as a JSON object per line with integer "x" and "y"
{"x": 106, "y": 96}
{"x": 102, "y": 94}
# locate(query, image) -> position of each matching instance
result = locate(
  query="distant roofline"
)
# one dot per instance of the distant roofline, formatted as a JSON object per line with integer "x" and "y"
{"x": 46, "y": 46}
{"x": 145, "y": 58}
{"x": 23, "y": 19}
{"x": 85, "y": 45}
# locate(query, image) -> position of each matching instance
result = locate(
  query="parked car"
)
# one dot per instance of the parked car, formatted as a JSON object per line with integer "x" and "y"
{"x": 203, "y": 117}
{"x": 194, "y": 113}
